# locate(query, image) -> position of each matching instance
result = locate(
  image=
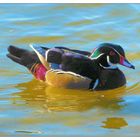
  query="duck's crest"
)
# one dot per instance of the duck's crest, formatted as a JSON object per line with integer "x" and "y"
{"x": 96, "y": 53}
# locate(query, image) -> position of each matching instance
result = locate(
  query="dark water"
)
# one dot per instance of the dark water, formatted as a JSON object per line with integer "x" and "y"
{"x": 30, "y": 108}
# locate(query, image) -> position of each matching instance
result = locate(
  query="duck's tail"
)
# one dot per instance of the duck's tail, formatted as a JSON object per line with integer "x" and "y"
{"x": 28, "y": 59}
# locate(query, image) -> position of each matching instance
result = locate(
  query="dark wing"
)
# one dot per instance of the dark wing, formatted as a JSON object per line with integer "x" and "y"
{"x": 75, "y": 51}
{"x": 54, "y": 55}
{"x": 79, "y": 64}
{"x": 71, "y": 61}
{"x": 67, "y": 61}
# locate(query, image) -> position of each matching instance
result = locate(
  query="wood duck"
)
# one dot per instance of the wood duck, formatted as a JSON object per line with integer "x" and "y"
{"x": 69, "y": 68}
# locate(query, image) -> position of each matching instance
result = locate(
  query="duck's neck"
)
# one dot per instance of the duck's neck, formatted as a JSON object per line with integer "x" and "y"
{"x": 110, "y": 79}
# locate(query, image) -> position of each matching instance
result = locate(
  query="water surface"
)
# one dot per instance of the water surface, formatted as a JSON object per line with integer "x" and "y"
{"x": 30, "y": 108}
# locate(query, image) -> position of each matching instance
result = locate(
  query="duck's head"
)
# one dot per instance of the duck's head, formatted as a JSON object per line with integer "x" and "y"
{"x": 109, "y": 55}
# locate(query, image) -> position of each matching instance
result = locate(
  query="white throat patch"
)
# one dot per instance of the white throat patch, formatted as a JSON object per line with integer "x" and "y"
{"x": 111, "y": 65}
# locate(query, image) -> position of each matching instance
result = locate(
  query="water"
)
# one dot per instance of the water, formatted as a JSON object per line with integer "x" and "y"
{"x": 30, "y": 108}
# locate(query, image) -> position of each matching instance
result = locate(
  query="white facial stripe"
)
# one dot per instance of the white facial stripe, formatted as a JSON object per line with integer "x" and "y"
{"x": 116, "y": 51}
{"x": 103, "y": 66}
{"x": 103, "y": 53}
{"x": 97, "y": 56}
{"x": 112, "y": 66}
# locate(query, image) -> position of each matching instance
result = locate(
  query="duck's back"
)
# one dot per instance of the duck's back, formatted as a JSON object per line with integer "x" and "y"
{"x": 79, "y": 64}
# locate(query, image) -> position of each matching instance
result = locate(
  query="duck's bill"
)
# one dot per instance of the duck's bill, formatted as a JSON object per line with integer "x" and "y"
{"x": 126, "y": 63}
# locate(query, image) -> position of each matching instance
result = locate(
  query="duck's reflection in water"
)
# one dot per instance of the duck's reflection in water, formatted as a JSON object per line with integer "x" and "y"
{"x": 38, "y": 94}
{"x": 114, "y": 123}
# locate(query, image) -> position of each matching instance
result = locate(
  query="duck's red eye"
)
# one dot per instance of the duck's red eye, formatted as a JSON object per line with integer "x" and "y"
{"x": 111, "y": 53}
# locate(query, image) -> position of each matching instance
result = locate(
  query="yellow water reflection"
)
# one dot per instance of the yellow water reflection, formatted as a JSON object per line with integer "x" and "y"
{"x": 54, "y": 99}
{"x": 38, "y": 39}
{"x": 62, "y": 6}
{"x": 80, "y": 23}
{"x": 114, "y": 123}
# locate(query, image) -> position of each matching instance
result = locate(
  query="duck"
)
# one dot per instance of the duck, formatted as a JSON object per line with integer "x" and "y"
{"x": 64, "y": 67}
